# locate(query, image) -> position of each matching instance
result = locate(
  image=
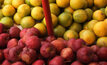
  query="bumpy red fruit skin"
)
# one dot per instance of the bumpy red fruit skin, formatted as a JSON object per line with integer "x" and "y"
{"x": 4, "y": 38}
{"x": 50, "y": 38}
{"x": 76, "y": 63}
{"x": 14, "y": 32}
{"x": 1, "y": 28}
{"x": 6, "y": 52}
{"x": 13, "y": 53}
{"x": 28, "y": 55}
{"x": 1, "y": 56}
{"x": 58, "y": 44}
{"x": 48, "y": 50}
{"x": 23, "y": 32}
{"x": 102, "y": 53}
{"x": 33, "y": 42}
{"x": 18, "y": 63}
{"x": 39, "y": 62}
{"x": 93, "y": 63}
{"x": 33, "y": 31}
{"x": 12, "y": 43}
{"x": 67, "y": 54}
{"x": 6, "y": 62}
{"x": 84, "y": 55}
{"x": 58, "y": 60}
{"x": 103, "y": 63}
{"x": 95, "y": 48}
{"x": 69, "y": 44}
{"x": 44, "y": 42}
{"x": 77, "y": 45}
{"x": 21, "y": 43}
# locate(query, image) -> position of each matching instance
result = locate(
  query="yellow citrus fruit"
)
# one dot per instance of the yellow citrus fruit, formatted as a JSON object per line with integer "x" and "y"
{"x": 103, "y": 10}
{"x": 102, "y": 42}
{"x": 100, "y": 3}
{"x": 1, "y": 14}
{"x": 41, "y": 27}
{"x": 91, "y": 24}
{"x": 105, "y": 20}
{"x": 80, "y": 16}
{"x": 8, "y": 10}
{"x": 100, "y": 29}
{"x": 85, "y": 25}
{"x": 37, "y": 13}
{"x": 7, "y": 21}
{"x": 65, "y": 19}
{"x": 24, "y": 10}
{"x": 69, "y": 10}
{"x": 106, "y": 11}
{"x": 7, "y": 2}
{"x": 36, "y": 2}
{"x": 59, "y": 31}
{"x": 76, "y": 27}
{"x": 98, "y": 15}
{"x": 27, "y": 22}
{"x": 54, "y": 9}
{"x": 89, "y": 13}
{"x": 17, "y": 18}
{"x": 54, "y": 20}
{"x": 17, "y": 3}
{"x": 63, "y": 3}
{"x": 27, "y": 2}
{"x": 88, "y": 36}
{"x": 77, "y": 4}
{"x": 90, "y": 3}
{"x": 52, "y": 1}
{"x": 70, "y": 34}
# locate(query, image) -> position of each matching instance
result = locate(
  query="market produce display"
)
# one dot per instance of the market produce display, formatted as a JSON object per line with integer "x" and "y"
{"x": 79, "y": 26}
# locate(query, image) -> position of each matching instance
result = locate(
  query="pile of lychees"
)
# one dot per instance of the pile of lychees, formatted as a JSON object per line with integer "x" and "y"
{"x": 26, "y": 47}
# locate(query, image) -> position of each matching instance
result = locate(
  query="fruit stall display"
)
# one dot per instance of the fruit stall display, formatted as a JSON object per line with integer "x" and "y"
{"x": 79, "y": 27}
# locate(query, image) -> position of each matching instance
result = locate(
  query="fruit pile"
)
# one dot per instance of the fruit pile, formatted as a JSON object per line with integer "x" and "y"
{"x": 80, "y": 29}
{"x": 25, "y": 47}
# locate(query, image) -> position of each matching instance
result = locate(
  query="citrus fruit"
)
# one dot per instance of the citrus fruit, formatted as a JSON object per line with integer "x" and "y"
{"x": 105, "y": 20}
{"x": 17, "y": 18}
{"x": 17, "y": 3}
{"x": 54, "y": 9}
{"x": 91, "y": 24}
{"x": 59, "y": 31}
{"x": 103, "y": 10}
{"x": 77, "y": 4}
{"x": 7, "y": 21}
{"x": 98, "y": 15}
{"x": 8, "y": 10}
{"x": 85, "y": 25}
{"x": 69, "y": 10}
{"x": 7, "y": 2}
{"x": 89, "y": 13}
{"x": 52, "y": 1}
{"x": 1, "y": 14}
{"x": 76, "y": 27}
{"x": 54, "y": 20}
{"x": 90, "y": 3}
{"x": 106, "y": 11}
{"x": 100, "y": 29}
{"x": 100, "y": 3}
{"x": 37, "y": 13}
{"x": 70, "y": 34}
{"x": 27, "y": 2}
{"x": 65, "y": 19}
{"x": 102, "y": 42}
{"x": 80, "y": 16}
{"x": 88, "y": 36}
{"x": 41, "y": 27}
{"x": 27, "y": 22}
{"x": 36, "y": 2}
{"x": 63, "y": 3}
{"x": 24, "y": 10}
